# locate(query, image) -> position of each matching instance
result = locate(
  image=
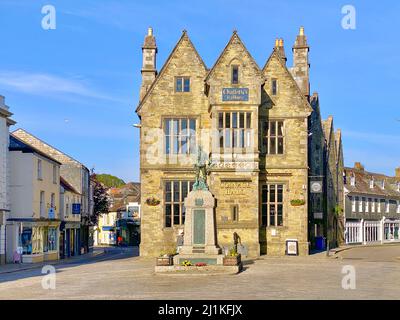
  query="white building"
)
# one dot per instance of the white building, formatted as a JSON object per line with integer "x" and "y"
{"x": 34, "y": 220}
{"x": 74, "y": 172}
{"x": 70, "y": 213}
{"x": 5, "y": 123}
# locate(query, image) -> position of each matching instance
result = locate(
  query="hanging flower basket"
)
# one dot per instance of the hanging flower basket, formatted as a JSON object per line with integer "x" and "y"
{"x": 152, "y": 201}
{"x": 297, "y": 202}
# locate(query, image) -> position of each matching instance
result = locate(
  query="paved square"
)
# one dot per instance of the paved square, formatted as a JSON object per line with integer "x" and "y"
{"x": 119, "y": 274}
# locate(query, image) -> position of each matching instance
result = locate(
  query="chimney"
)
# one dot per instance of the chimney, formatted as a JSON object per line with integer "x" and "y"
{"x": 301, "y": 66}
{"x": 280, "y": 49}
{"x": 149, "y": 71}
{"x": 397, "y": 172}
{"x": 358, "y": 166}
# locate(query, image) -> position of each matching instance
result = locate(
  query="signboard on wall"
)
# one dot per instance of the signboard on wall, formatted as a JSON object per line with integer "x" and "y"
{"x": 76, "y": 208}
{"x": 316, "y": 186}
{"x": 235, "y": 94}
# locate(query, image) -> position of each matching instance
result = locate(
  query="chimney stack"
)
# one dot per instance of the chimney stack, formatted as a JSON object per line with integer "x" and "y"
{"x": 301, "y": 66}
{"x": 280, "y": 49}
{"x": 358, "y": 166}
{"x": 149, "y": 71}
{"x": 397, "y": 172}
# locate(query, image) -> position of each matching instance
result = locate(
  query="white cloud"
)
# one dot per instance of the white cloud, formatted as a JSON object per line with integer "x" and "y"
{"x": 44, "y": 84}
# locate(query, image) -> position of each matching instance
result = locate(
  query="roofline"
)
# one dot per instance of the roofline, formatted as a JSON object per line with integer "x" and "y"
{"x": 184, "y": 34}
{"x": 234, "y": 34}
{"x": 275, "y": 52}
{"x": 49, "y": 146}
{"x": 33, "y": 150}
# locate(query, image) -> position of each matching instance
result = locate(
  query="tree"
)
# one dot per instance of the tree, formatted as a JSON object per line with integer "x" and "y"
{"x": 110, "y": 181}
{"x": 101, "y": 200}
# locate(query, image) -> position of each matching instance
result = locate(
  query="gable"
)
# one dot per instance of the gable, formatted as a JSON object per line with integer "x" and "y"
{"x": 250, "y": 77}
{"x": 289, "y": 101}
{"x": 183, "y": 61}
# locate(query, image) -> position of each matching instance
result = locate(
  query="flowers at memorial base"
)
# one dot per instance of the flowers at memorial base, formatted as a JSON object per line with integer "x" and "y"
{"x": 200, "y": 264}
{"x": 186, "y": 263}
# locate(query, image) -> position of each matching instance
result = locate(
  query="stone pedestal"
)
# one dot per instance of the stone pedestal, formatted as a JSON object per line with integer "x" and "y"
{"x": 200, "y": 243}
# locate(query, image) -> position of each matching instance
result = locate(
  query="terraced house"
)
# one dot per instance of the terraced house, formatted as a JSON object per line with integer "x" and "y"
{"x": 252, "y": 122}
{"x": 372, "y": 206}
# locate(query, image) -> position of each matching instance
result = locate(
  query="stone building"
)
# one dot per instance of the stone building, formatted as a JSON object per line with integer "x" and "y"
{"x": 74, "y": 173}
{"x": 326, "y": 218}
{"x": 5, "y": 123}
{"x": 372, "y": 206}
{"x": 252, "y": 122}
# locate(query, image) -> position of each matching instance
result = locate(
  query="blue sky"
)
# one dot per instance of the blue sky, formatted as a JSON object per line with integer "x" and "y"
{"x": 77, "y": 86}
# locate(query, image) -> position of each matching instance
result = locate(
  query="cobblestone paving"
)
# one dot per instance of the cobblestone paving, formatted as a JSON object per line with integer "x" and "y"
{"x": 121, "y": 276}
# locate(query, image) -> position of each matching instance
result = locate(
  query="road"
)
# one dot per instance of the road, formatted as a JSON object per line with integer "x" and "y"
{"x": 121, "y": 274}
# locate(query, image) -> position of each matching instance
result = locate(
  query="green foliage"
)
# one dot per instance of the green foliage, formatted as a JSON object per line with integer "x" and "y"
{"x": 101, "y": 201}
{"x": 297, "y": 202}
{"x": 338, "y": 210}
{"x": 109, "y": 180}
{"x": 233, "y": 252}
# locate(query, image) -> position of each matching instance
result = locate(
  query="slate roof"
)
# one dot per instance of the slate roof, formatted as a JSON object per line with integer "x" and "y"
{"x": 67, "y": 186}
{"x": 121, "y": 196}
{"x": 362, "y": 183}
{"x": 18, "y": 145}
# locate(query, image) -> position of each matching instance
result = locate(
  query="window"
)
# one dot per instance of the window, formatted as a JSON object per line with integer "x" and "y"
{"x": 353, "y": 180}
{"x": 180, "y": 136}
{"x": 398, "y": 206}
{"x": 273, "y": 137}
{"x": 39, "y": 169}
{"x": 353, "y": 204}
{"x": 26, "y": 240}
{"x": 53, "y": 200}
{"x": 42, "y": 209}
{"x": 379, "y": 206}
{"x": 52, "y": 239}
{"x": 235, "y": 74}
{"x": 272, "y": 205}
{"x": 54, "y": 174}
{"x": 368, "y": 204}
{"x": 182, "y": 84}
{"x": 274, "y": 87}
{"x": 235, "y": 212}
{"x": 175, "y": 193}
{"x": 234, "y": 129}
{"x": 374, "y": 201}
{"x": 361, "y": 204}
{"x": 371, "y": 183}
{"x": 45, "y": 239}
{"x": 387, "y": 206}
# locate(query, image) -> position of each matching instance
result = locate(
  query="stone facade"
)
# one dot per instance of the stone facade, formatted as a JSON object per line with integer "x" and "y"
{"x": 5, "y": 123}
{"x": 254, "y": 125}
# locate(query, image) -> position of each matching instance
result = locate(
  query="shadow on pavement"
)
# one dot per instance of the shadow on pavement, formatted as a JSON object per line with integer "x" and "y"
{"x": 110, "y": 254}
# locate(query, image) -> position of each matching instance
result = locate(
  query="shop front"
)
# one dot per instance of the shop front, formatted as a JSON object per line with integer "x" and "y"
{"x": 391, "y": 230}
{"x": 33, "y": 241}
{"x": 70, "y": 239}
